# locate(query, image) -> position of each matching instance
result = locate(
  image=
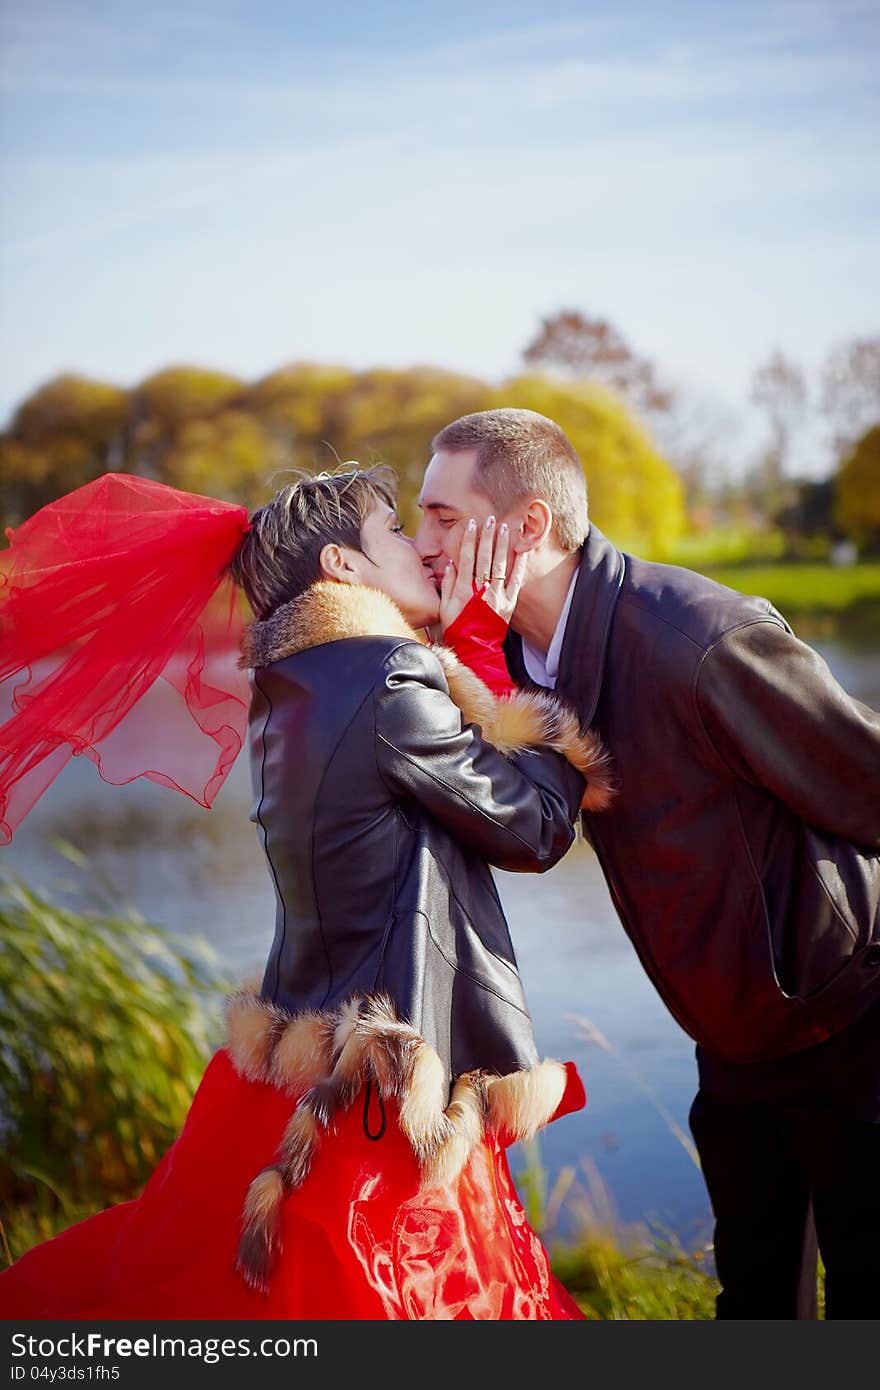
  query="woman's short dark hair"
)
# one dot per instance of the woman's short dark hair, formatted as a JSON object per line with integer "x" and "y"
{"x": 280, "y": 557}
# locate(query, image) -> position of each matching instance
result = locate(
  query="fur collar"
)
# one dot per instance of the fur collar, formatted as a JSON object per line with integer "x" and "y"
{"x": 327, "y": 612}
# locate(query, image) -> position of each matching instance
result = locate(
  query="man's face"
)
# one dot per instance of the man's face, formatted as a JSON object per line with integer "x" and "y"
{"x": 447, "y": 500}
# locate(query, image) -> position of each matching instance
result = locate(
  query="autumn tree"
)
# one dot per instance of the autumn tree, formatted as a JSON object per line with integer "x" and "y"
{"x": 164, "y": 403}
{"x": 779, "y": 388}
{"x": 65, "y": 434}
{"x": 302, "y": 407}
{"x": 851, "y": 391}
{"x": 573, "y": 345}
{"x": 230, "y": 454}
{"x": 857, "y": 493}
{"x": 209, "y": 433}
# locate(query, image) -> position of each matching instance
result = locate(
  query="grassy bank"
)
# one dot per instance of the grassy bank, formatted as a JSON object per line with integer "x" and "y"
{"x": 813, "y": 588}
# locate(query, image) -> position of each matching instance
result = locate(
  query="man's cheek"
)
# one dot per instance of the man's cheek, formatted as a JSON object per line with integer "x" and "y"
{"x": 452, "y": 540}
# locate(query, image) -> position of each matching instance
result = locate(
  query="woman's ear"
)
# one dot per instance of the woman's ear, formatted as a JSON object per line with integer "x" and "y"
{"x": 335, "y": 563}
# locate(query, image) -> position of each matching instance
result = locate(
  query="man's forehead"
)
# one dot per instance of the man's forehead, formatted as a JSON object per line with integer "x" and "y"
{"x": 448, "y": 482}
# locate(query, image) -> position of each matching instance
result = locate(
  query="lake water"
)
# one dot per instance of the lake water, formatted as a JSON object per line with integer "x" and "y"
{"x": 627, "y": 1154}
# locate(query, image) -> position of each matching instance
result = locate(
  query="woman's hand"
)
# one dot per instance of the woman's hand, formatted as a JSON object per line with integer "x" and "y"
{"x": 484, "y": 565}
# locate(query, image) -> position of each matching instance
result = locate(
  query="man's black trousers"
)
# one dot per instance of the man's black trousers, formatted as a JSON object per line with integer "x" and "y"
{"x": 790, "y": 1151}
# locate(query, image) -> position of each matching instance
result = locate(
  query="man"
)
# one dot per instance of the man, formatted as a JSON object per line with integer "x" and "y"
{"x": 741, "y": 853}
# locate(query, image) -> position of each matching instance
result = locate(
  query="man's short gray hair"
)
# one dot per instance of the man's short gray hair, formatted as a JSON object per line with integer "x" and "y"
{"x": 521, "y": 454}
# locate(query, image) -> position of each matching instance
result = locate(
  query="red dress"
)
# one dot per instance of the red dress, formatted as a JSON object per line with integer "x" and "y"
{"x": 362, "y": 1237}
{"x": 361, "y": 1240}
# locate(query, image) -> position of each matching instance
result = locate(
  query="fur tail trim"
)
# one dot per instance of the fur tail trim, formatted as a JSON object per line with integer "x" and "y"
{"x": 327, "y": 1059}
{"x": 260, "y": 1237}
{"x": 519, "y": 1104}
{"x": 530, "y": 719}
{"x": 464, "y": 1129}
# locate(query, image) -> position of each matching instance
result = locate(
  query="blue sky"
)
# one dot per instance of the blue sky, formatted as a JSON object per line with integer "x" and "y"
{"x": 247, "y": 184}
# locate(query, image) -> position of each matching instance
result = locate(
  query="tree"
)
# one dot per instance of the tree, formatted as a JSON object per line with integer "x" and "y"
{"x": 779, "y": 387}
{"x": 302, "y": 406}
{"x": 851, "y": 390}
{"x": 857, "y": 493}
{"x": 576, "y": 346}
{"x": 66, "y": 433}
{"x": 230, "y": 455}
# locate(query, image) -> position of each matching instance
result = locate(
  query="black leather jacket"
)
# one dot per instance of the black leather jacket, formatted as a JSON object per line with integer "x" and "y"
{"x": 380, "y": 811}
{"x": 741, "y": 850}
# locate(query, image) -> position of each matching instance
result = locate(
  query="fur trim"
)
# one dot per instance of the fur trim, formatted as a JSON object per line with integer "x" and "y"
{"x": 328, "y": 612}
{"x": 262, "y": 1224}
{"x": 327, "y": 1058}
{"x": 519, "y": 1104}
{"x": 464, "y": 1120}
{"x": 253, "y": 1027}
{"x": 306, "y": 1042}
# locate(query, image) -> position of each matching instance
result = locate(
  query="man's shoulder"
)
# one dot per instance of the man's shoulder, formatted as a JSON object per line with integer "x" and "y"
{"x": 686, "y": 602}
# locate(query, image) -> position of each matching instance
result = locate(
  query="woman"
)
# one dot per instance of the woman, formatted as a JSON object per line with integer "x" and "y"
{"x": 344, "y": 1154}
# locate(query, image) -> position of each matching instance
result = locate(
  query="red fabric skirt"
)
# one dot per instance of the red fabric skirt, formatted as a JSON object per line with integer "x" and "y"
{"x": 360, "y": 1240}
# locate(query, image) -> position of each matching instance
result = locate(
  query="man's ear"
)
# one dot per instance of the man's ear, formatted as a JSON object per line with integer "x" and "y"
{"x": 335, "y": 563}
{"x": 536, "y": 525}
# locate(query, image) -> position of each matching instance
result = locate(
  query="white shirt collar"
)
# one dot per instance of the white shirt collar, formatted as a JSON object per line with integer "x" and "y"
{"x": 544, "y": 669}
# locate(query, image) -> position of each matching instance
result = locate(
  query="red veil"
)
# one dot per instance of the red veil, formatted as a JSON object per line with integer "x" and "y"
{"x": 113, "y": 603}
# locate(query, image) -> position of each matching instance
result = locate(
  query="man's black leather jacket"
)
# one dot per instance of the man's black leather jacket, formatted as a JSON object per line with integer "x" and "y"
{"x": 742, "y": 850}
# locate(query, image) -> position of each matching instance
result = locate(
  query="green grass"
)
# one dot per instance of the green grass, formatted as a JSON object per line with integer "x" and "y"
{"x": 614, "y": 1272}
{"x": 813, "y": 588}
{"x": 106, "y": 1025}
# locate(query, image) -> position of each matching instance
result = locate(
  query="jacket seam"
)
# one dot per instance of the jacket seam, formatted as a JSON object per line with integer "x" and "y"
{"x": 453, "y": 791}
{"x": 701, "y": 646}
{"x": 468, "y": 974}
{"x": 834, "y": 907}
{"x": 514, "y": 969}
{"x": 319, "y": 789}
{"x": 709, "y": 651}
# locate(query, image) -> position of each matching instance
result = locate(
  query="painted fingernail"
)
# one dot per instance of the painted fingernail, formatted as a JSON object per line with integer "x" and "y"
{"x": 503, "y": 526}
{"x": 490, "y": 521}
{"x": 472, "y": 525}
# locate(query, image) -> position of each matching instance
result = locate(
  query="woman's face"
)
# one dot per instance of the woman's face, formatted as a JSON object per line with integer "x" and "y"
{"x": 390, "y": 562}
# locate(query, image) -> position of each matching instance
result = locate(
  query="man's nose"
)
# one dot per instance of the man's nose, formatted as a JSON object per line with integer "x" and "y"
{"x": 422, "y": 541}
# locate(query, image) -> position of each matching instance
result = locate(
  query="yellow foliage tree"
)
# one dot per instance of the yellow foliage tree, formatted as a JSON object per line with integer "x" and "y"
{"x": 857, "y": 492}
{"x": 207, "y": 432}
{"x": 230, "y": 455}
{"x": 177, "y": 394}
{"x": 68, "y": 432}
{"x": 390, "y": 416}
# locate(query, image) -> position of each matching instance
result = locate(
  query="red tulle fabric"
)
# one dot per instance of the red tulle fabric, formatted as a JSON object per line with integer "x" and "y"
{"x": 360, "y": 1240}
{"x": 120, "y": 637}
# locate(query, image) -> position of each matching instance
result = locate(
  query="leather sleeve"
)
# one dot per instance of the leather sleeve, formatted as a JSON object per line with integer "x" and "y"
{"x": 518, "y": 813}
{"x": 776, "y": 716}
